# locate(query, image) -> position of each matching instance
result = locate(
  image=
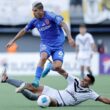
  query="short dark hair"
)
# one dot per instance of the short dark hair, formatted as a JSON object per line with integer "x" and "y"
{"x": 82, "y": 25}
{"x": 92, "y": 78}
{"x": 38, "y": 5}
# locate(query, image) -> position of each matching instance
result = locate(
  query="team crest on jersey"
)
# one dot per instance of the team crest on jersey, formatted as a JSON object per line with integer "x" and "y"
{"x": 47, "y": 21}
{"x": 45, "y": 25}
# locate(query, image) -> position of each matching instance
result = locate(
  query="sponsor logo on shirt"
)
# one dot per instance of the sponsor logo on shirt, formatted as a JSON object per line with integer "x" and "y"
{"x": 46, "y": 25}
{"x": 44, "y": 28}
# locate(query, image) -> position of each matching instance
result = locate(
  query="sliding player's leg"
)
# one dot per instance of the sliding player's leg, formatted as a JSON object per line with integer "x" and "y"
{"x": 28, "y": 94}
{"x": 42, "y": 90}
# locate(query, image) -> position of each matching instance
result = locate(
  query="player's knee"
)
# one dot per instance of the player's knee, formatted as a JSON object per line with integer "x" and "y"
{"x": 57, "y": 68}
{"x": 43, "y": 59}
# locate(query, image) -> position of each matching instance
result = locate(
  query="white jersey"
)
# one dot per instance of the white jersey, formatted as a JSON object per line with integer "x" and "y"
{"x": 84, "y": 43}
{"x": 72, "y": 95}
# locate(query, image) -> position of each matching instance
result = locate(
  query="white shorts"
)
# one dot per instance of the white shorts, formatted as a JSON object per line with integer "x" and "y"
{"x": 84, "y": 62}
{"x": 53, "y": 93}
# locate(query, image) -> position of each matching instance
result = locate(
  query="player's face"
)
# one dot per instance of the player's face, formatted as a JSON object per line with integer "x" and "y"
{"x": 86, "y": 82}
{"x": 82, "y": 30}
{"x": 38, "y": 13}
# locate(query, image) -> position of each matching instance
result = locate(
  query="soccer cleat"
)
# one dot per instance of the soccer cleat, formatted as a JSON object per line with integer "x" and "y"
{"x": 47, "y": 69}
{"x": 35, "y": 83}
{"x": 4, "y": 76}
{"x": 20, "y": 88}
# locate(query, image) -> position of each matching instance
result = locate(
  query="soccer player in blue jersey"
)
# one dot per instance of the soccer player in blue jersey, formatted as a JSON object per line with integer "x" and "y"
{"x": 50, "y": 27}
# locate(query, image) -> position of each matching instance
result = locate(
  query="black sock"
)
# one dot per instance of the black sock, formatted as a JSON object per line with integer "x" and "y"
{"x": 29, "y": 95}
{"x": 14, "y": 82}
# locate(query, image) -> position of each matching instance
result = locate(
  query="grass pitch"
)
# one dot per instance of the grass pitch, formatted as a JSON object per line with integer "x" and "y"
{"x": 9, "y": 100}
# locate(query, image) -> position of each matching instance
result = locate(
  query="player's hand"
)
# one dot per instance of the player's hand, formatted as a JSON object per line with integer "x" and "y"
{"x": 9, "y": 44}
{"x": 71, "y": 42}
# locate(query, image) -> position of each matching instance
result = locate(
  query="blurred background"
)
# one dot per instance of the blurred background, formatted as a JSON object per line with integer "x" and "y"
{"x": 23, "y": 56}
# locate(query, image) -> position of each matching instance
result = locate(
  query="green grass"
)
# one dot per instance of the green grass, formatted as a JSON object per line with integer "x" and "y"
{"x": 9, "y": 100}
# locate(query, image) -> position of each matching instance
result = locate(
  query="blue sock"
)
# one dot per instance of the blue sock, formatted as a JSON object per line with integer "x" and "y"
{"x": 38, "y": 73}
{"x": 47, "y": 69}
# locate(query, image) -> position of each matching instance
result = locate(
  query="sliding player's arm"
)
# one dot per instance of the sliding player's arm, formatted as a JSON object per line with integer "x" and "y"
{"x": 103, "y": 100}
{"x": 96, "y": 97}
{"x": 19, "y": 35}
{"x": 62, "y": 71}
{"x": 70, "y": 78}
{"x": 68, "y": 33}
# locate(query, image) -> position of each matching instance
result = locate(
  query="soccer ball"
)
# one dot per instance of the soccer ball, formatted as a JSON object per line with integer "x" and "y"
{"x": 43, "y": 101}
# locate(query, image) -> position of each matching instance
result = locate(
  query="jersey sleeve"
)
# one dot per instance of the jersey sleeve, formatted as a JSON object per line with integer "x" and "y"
{"x": 30, "y": 25}
{"x": 70, "y": 79}
{"x": 94, "y": 95}
{"x": 55, "y": 18}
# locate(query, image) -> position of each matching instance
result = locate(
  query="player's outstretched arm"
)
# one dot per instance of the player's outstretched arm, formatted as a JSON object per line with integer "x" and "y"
{"x": 19, "y": 35}
{"x": 103, "y": 100}
{"x": 68, "y": 33}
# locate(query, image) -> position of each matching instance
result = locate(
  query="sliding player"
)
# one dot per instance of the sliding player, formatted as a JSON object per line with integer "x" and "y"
{"x": 77, "y": 91}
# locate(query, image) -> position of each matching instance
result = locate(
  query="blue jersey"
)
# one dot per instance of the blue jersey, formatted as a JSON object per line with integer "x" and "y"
{"x": 49, "y": 28}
